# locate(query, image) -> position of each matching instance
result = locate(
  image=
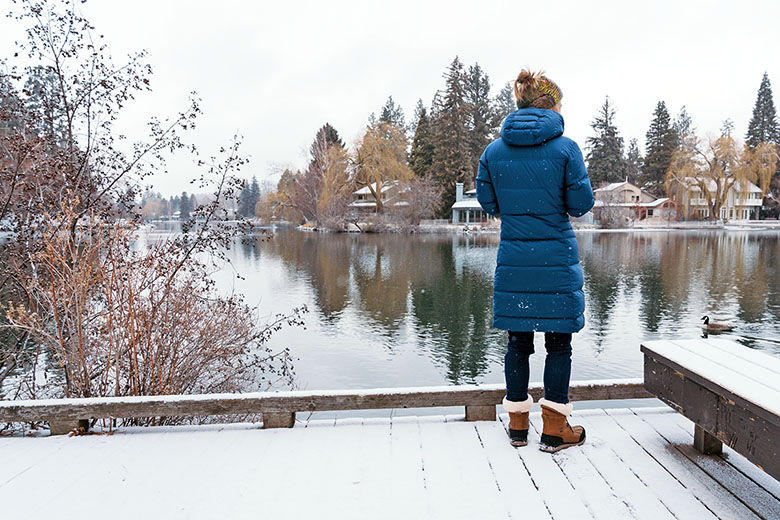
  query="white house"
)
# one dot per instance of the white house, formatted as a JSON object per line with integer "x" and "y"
{"x": 466, "y": 209}
{"x": 364, "y": 201}
{"x": 743, "y": 201}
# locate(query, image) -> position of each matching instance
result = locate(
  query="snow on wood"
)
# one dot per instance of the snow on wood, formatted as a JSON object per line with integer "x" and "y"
{"x": 688, "y": 474}
{"x": 556, "y": 490}
{"x": 750, "y": 470}
{"x": 667, "y": 489}
{"x": 597, "y": 495}
{"x": 730, "y": 355}
{"x": 732, "y": 480}
{"x": 722, "y": 375}
{"x": 511, "y": 473}
{"x": 403, "y": 467}
{"x": 645, "y": 503}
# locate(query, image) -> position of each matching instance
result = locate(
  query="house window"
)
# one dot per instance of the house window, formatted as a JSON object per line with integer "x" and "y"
{"x": 649, "y": 212}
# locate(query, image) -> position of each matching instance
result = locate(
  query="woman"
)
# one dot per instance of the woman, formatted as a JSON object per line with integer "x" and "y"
{"x": 534, "y": 178}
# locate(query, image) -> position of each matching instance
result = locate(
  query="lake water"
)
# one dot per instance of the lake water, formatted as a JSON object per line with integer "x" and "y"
{"x": 392, "y": 310}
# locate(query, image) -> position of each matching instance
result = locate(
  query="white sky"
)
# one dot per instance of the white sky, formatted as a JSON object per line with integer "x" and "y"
{"x": 276, "y": 72}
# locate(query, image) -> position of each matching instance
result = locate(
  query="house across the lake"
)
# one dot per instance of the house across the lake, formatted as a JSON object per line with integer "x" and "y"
{"x": 743, "y": 201}
{"x": 621, "y": 202}
{"x": 466, "y": 209}
{"x": 363, "y": 200}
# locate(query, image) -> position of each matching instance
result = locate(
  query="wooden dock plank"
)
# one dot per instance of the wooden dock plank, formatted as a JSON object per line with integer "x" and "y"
{"x": 725, "y": 355}
{"x": 691, "y": 476}
{"x": 753, "y": 496}
{"x": 19, "y": 455}
{"x": 556, "y": 490}
{"x": 593, "y": 490}
{"x": 407, "y": 478}
{"x": 457, "y": 476}
{"x": 731, "y": 457}
{"x": 634, "y": 465}
{"x": 643, "y": 501}
{"x": 518, "y": 491}
{"x": 668, "y": 489}
{"x": 758, "y": 358}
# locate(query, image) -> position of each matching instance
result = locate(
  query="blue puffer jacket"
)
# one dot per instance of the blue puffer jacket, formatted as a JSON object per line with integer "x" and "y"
{"x": 535, "y": 178}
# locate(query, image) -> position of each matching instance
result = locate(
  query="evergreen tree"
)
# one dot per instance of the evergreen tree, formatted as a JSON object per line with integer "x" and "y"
{"x": 683, "y": 125}
{"x": 392, "y": 113}
{"x": 412, "y": 126}
{"x": 660, "y": 144}
{"x": 478, "y": 106}
{"x": 44, "y": 99}
{"x": 633, "y": 161}
{"x": 763, "y": 126}
{"x": 503, "y": 105}
{"x": 185, "y": 206}
{"x": 606, "y": 162}
{"x": 248, "y": 198}
{"x": 452, "y": 162}
{"x": 421, "y": 156}
{"x": 726, "y": 128}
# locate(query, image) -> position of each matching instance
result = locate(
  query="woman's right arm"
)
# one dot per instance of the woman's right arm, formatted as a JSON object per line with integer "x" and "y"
{"x": 486, "y": 194}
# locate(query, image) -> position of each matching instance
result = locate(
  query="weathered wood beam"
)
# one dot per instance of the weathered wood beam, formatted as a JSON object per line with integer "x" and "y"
{"x": 296, "y": 401}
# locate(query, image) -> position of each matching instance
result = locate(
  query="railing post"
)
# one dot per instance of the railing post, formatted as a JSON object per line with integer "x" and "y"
{"x": 481, "y": 413}
{"x": 278, "y": 419}
{"x": 65, "y": 425}
{"x": 706, "y": 443}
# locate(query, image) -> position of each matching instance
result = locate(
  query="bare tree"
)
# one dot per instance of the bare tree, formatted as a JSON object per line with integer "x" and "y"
{"x": 111, "y": 319}
{"x": 715, "y": 168}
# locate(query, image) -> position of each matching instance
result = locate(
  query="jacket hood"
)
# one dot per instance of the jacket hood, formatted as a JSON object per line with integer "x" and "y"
{"x": 531, "y": 126}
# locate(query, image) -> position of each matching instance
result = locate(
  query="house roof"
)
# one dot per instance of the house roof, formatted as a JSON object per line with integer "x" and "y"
{"x": 653, "y": 204}
{"x": 613, "y": 186}
{"x": 366, "y": 191}
{"x": 751, "y": 188}
{"x": 467, "y": 204}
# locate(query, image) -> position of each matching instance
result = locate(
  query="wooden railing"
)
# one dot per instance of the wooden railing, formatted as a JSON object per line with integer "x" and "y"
{"x": 279, "y": 408}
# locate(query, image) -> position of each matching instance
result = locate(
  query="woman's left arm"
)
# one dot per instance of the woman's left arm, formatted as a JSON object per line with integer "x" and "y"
{"x": 579, "y": 194}
{"x": 486, "y": 194}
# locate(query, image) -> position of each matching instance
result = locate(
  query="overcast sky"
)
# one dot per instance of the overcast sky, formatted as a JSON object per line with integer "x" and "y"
{"x": 276, "y": 72}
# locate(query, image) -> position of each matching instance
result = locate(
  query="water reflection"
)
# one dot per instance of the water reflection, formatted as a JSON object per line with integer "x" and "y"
{"x": 395, "y": 309}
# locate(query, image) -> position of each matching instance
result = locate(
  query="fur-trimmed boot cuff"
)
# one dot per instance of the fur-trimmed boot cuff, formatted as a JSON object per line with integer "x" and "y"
{"x": 563, "y": 409}
{"x": 518, "y": 406}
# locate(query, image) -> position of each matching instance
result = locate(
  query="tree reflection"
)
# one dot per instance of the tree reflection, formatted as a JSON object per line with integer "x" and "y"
{"x": 439, "y": 288}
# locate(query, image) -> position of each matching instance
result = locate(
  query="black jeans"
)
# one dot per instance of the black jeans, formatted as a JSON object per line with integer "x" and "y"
{"x": 557, "y": 366}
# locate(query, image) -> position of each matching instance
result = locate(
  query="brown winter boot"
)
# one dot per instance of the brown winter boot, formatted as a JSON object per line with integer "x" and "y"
{"x": 556, "y": 432}
{"x": 518, "y": 420}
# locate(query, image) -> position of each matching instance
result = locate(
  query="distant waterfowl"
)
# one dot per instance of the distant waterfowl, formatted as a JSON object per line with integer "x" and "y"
{"x": 712, "y": 326}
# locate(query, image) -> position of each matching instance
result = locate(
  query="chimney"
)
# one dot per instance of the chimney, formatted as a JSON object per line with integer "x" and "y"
{"x": 458, "y": 191}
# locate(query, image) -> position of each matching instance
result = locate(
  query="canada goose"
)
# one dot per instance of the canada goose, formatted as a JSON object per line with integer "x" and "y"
{"x": 715, "y": 327}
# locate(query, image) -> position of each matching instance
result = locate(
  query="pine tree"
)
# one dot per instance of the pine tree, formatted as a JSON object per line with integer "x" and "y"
{"x": 683, "y": 126}
{"x": 452, "y": 161}
{"x": 478, "y": 106}
{"x": 248, "y": 198}
{"x": 763, "y": 126}
{"x": 660, "y": 144}
{"x": 392, "y": 113}
{"x": 633, "y": 161}
{"x": 185, "y": 206}
{"x": 606, "y": 162}
{"x": 411, "y": 128}
{"x": 421, "y": 156}
{"x": 503, "y": 105}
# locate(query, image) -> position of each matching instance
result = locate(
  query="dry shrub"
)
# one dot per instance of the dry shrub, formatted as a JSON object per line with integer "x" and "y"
{"x": 120, "y": 321}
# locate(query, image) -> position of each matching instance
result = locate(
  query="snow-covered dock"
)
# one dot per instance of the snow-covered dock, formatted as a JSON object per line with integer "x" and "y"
{"x": 636, "y": 464}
